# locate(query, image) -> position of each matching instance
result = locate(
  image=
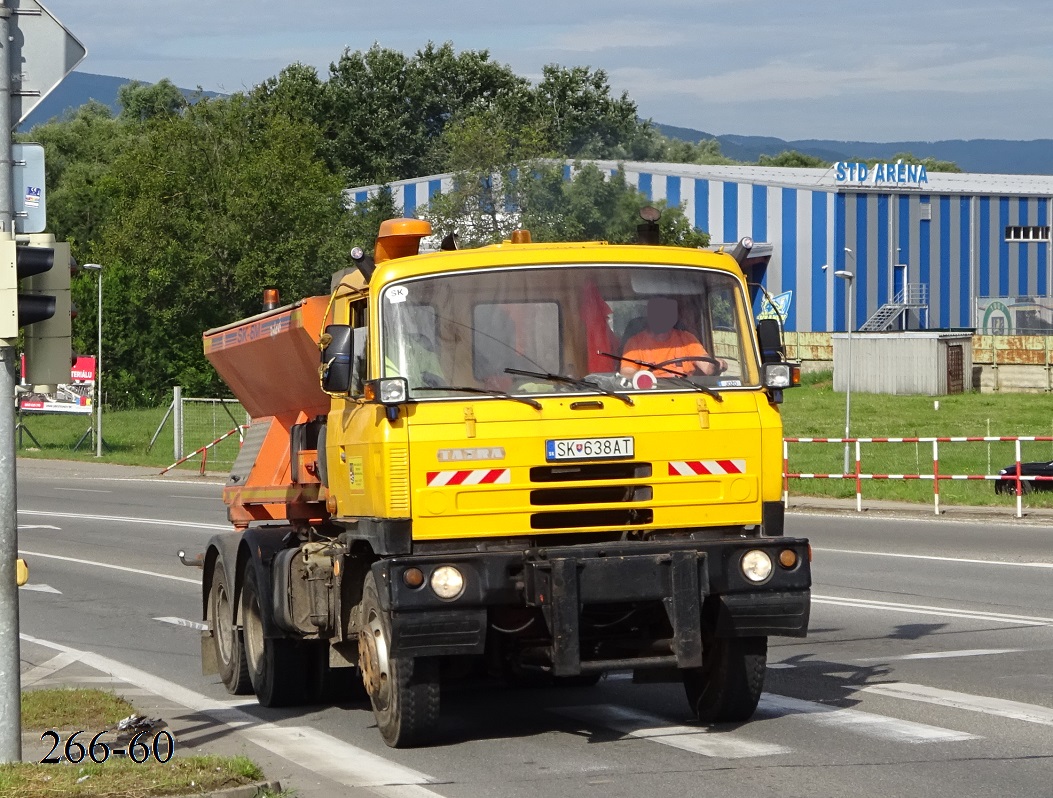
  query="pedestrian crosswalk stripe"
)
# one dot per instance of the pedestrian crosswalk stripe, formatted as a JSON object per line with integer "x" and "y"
{"x": 1016, "y": 710}
{"x": 696, "y": 739}
{"x": 867, "y": 723}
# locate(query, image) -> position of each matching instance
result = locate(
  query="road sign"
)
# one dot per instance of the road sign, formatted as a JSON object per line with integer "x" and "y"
{"x": 42, "y": 53}
{"x": 30, "y": 206}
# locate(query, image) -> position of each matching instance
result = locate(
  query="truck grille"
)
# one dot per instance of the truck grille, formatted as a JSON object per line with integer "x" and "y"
{"x": 572, "y": 519}
{"x": 579, "y": 472}
{"x": 581, "y": 492}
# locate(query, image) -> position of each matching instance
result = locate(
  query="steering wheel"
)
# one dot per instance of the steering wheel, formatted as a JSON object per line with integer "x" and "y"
{"x": 703, "y": 358}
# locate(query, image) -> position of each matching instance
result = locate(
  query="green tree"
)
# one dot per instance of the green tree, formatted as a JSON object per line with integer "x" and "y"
{"x": 930, "y": 163}
{"x": 581, "y": 117}
{"x": 793, "y": 158}
{"x": 296, "y": 92}
{"x": 208, "y": 209}
{"x": 485, "y": 207}
{"x": 141, "y": 102}
{"x": 78, "y": 151}
{"x": 366, "y": 218}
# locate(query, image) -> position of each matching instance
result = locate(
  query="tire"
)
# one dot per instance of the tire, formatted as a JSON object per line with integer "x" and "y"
{"x": 226, "y": 637}
{"x": 728, "y": 686}
{"x": 278, "y": 667}
{"x": 327, "y": 685}
{"x": 403, "y": 691}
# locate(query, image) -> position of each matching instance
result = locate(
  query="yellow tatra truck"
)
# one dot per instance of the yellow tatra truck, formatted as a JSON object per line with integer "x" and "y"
{"x": 481, "y": 463}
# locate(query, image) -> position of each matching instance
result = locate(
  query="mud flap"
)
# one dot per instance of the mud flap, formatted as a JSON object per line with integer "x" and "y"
{"x": 209, "y": 660}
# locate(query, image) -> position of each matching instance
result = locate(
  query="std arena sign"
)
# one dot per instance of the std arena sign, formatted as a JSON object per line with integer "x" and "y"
{"x": 857, "y": 173}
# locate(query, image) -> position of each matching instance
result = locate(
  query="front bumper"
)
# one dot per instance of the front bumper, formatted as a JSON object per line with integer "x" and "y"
{"x": 699, "y": 583}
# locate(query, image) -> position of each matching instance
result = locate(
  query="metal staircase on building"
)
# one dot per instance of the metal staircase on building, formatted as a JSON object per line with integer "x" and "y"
{"x": 914, "y": 296}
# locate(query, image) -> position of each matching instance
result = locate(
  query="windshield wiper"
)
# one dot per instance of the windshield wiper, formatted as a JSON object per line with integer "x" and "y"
{"x": 679, "y": 376}
{"x": 485, "y": 391}
{"x": 587, "y": 384}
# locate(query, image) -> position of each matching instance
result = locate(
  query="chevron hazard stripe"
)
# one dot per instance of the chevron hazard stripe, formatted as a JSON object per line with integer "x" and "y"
{"x": 701, "y": 468}
{"x": 474, "y": 476}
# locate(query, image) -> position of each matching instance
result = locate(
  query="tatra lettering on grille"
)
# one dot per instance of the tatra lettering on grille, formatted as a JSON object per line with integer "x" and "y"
{"x": 701, "y": 468}
{"x": 472, "y": 476}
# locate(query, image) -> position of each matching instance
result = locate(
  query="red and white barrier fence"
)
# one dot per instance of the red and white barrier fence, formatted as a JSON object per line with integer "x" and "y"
{"x": 935, "y": 476}
{"x": 203, "y": 451}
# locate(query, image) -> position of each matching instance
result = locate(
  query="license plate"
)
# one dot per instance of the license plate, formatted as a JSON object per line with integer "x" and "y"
{"x": 589, "y": 449}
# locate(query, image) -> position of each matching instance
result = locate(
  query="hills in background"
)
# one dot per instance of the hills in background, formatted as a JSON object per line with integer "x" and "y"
{"x": 77, "y": 89}
{"x": 977, "y": 155}
{"x": 995, "y": 156}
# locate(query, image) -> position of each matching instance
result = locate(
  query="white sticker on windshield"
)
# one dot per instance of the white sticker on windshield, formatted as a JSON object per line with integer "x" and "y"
{"x": 397, "y": 294}
{"x": 730, "y": 383}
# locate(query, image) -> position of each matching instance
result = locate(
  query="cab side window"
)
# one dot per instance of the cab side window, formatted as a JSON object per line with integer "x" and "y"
{"x": 360, "y": 354}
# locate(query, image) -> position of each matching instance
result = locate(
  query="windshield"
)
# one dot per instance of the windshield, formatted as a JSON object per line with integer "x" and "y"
{"x": 568, "y": 329}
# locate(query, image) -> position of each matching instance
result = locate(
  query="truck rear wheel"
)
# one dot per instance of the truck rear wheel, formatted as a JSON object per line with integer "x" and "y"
{"x": 276, "y": 666}
{"x": 728, "y": 686}
{"x": 226, "y": 637}
{"x": 404, "y": 691}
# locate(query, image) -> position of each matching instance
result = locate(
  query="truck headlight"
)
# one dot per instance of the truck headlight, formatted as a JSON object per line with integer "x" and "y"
{"x": 781, "y": 375}
{"x": 447, "y": 582}
{"x": 392, "y": 390}
{"x": 756, "y": 565}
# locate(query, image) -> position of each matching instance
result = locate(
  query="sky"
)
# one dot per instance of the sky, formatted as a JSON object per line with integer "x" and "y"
{"x": 896, "y": 70}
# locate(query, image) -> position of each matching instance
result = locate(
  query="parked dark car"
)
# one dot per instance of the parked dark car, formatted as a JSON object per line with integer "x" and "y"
{"x": 1006, "y": 482}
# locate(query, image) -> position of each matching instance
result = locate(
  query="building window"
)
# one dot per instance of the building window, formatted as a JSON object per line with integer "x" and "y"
{"x": 1027, "y": 233}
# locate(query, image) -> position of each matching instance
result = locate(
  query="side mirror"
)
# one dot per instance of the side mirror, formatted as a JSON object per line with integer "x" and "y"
{"x": 336, "y": 358}
{"x": 770, "y": 338}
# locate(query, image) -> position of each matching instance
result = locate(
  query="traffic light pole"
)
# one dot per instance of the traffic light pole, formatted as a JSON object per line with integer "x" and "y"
{"x": 10, "y": 650}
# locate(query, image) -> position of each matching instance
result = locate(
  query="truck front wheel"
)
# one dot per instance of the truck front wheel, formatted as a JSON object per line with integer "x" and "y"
{"x": 277, "y": 667}
{"x": 728, "y": 686}
{"x": 404, "y": 691}
{"x": 226, "y": 637}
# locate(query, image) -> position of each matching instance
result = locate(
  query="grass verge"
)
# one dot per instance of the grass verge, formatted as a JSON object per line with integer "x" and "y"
{"x": 116, "y": 777}
{"x": 122, "y": 778}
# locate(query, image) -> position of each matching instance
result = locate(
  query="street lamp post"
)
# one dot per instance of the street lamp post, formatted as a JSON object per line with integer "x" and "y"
{"x": 95, "y": 267}
{"x": 849, "y": 278}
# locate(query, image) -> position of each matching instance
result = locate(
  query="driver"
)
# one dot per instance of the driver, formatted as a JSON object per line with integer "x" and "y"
{"x": 661, "y": 342}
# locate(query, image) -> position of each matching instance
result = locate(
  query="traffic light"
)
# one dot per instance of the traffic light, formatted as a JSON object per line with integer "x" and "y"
{"x": 41, "y": 305}
{"x": 45, "y": 313}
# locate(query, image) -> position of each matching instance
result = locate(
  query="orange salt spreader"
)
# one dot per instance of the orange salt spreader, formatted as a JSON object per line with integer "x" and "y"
{"x": 270, "y": 362}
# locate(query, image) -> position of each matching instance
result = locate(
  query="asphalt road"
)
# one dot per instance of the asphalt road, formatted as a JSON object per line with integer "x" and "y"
{"x": 928, "y": 672}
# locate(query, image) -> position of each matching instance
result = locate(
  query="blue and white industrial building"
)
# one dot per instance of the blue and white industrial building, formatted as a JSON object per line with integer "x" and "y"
{"x": 959, "y": 238}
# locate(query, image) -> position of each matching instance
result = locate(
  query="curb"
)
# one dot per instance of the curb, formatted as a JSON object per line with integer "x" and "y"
{"x": 805, "y": 505}
{"x": 244, "y": 791}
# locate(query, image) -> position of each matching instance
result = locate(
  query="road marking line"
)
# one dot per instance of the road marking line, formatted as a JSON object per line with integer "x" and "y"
{"x": 939, "y": 559}
{"x": 45, "y": 669}
{"x": 40, "y": 588}
{"x": 109, "y": 565}
{"x": 968, "y": 652}
{"x": 84, "y": 490}
{"x": 1016, "y": 710}
{"x": 316, "y": 751}
{"x": 867, "y": 723}
{"x": 920, "y": 609}
{"x": 38, "y": 526}
{"x": 696, "y": 739}
{"x": 201, "y": 627}
{"x": 126, "y": 519}
{"x": 780, "y": 666}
